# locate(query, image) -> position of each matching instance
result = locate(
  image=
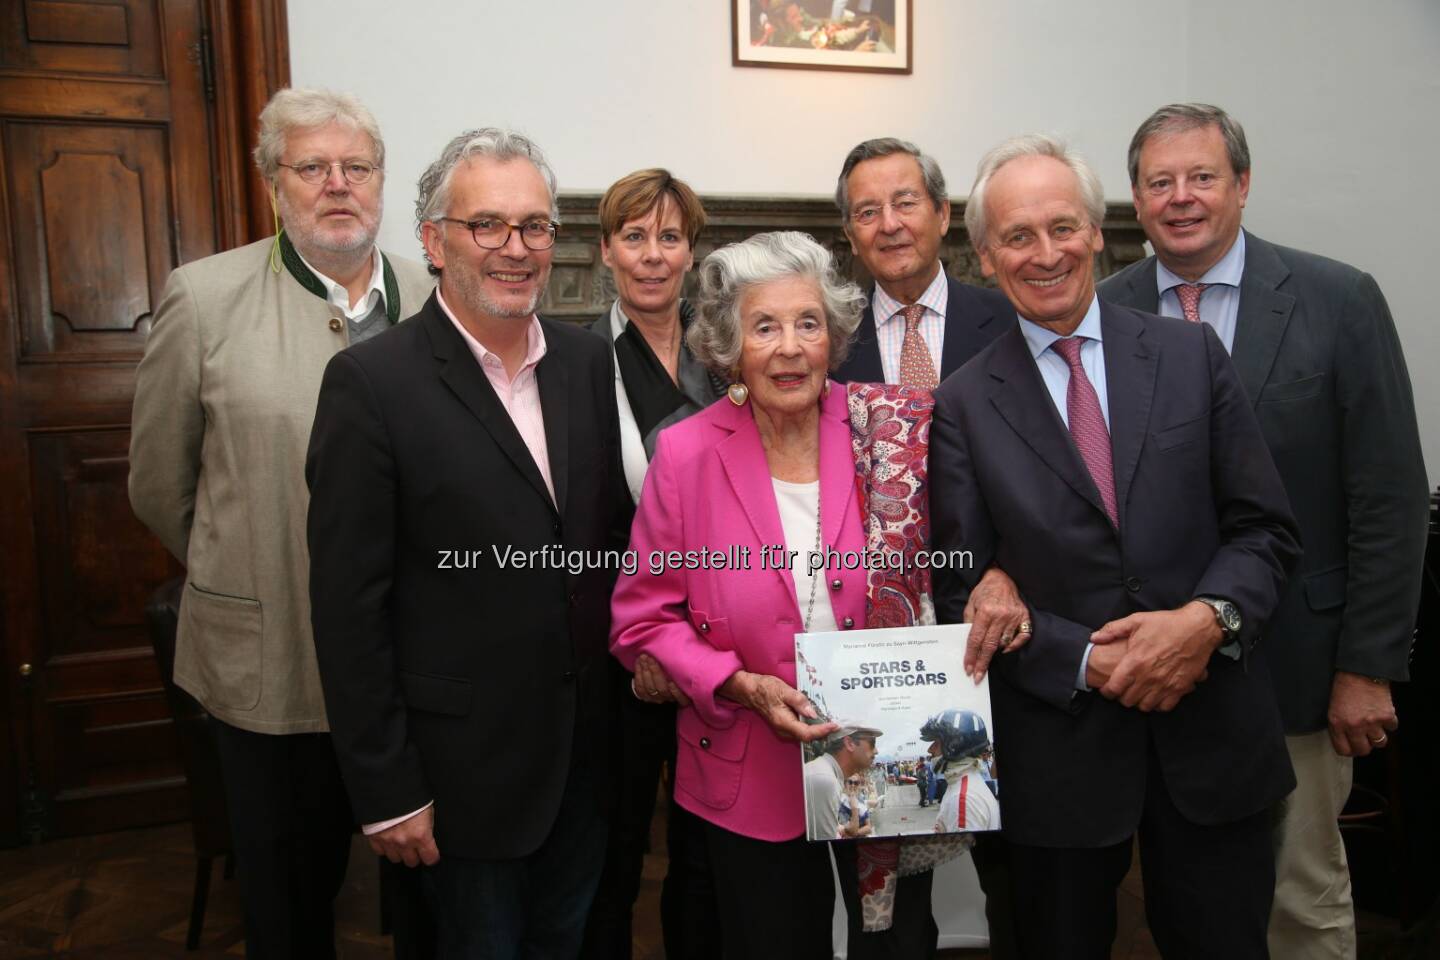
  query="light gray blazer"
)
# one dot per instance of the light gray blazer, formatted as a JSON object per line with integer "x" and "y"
{"x": 224, "y": 400}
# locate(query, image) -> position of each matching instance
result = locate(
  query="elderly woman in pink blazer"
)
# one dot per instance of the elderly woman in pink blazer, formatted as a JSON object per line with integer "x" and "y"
{"x": 733, "y": 493}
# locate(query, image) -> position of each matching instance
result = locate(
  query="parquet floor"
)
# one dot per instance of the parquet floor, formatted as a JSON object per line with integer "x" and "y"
{"x": 126, "y": 896}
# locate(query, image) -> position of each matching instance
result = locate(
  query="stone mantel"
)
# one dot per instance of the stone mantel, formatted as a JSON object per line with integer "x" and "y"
{"x": 581, "y": 287}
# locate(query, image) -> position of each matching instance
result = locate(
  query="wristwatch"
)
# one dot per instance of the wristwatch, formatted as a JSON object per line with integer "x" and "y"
{"x": 1227, "y": 615}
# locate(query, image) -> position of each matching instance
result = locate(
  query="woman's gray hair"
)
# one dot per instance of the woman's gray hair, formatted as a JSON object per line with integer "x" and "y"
{"x": 1180, "y": 117}
{"x": 1092, "y": 194}
{"x": 304, "y": 108}
{"x": 715, "y": 336}
{"x": 492, "y": 142}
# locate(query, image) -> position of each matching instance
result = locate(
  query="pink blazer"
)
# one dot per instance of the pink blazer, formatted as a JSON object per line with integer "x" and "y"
{"x": 709, "y": 487}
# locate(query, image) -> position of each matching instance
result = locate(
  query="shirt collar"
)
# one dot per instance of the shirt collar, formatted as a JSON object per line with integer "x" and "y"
{"x": 1039, "y": 338}
{"x": 1227, "y": 270}
{"x": 339, "y": 297}
{"x": 534, "y": 338}
{"x": 935, "y": 298}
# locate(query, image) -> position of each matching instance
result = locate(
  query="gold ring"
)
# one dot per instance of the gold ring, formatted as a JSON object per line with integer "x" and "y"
{"x": 1384, "y": 737}
{"x": 1025, "y": 626}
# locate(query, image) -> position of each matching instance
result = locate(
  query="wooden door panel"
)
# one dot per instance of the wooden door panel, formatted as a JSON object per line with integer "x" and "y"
{"x": 82, "y": 36}
{"x": 125, "y": 130}
{"x": 90, "y": 208}
{"x": 97, "y": 564}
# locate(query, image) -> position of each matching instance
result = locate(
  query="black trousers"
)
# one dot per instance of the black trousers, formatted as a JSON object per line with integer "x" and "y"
{"x": 689, "y": 920}
{"x": 1207, "y": 888}
{"x": 776, "y": 899}
{"x": 290, "y": 824}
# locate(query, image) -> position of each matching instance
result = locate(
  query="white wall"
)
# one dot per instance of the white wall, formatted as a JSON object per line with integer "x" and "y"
{"x": 1338, "y": 99}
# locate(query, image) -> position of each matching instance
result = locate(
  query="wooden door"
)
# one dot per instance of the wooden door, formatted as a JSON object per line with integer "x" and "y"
{"x": 108, "y": 180}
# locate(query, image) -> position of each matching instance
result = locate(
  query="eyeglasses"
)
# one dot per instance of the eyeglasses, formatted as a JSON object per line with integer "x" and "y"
{"x": 492, "y": 234}
{"x": 318, "y": 171}
{"x": 904, "y": 207}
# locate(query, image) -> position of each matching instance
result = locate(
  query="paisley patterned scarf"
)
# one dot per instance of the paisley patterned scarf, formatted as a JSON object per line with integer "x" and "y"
{"x": 890, "y": 436}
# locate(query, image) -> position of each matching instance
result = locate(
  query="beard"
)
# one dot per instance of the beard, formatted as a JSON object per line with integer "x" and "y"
{"x": 307, "y": 235}
{"x": 468, "y": 282}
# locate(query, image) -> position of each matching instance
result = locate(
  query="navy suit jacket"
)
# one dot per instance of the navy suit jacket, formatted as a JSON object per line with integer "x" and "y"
{"x": 1202, "y": 512}
{"x": 1321, "y": 364}
{"x": 973, "y": 317}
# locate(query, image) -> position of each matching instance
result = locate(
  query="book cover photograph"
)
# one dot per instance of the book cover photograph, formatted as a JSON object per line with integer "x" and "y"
{"x": 913, "y": 754}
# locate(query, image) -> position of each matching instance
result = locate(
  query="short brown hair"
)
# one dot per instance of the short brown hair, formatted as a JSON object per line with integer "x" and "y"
{"x": 633, "y": 196}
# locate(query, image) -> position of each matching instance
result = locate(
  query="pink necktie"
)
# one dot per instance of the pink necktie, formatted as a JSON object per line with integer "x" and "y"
{"x": 917, "y": 369}
{"x": 1189, "y": 294}
{"x": 1087, "y": 424}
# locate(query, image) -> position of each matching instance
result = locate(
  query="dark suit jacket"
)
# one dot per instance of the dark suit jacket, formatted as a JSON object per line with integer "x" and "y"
{"x": 465, "y": 686}
{"x": 1319, "y": 358}
{"x": 1202, "y": 512}
{"x": 973, "y": 317}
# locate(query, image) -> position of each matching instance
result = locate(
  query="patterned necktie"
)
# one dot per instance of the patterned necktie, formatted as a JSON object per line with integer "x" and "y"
{"x": 1189, "y": 294}
{"x": 917, "y": 369}
{"x": 1087, "y": 424}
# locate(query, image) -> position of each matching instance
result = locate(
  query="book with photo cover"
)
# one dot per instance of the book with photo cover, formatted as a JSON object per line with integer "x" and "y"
{"x": 913, "y": 754}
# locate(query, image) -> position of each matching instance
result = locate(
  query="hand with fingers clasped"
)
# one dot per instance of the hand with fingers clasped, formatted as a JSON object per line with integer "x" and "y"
{"x": 653, "y": 685}
{"x": 999, "y": 621}
{"x": 411, "y": 842}
{"x": 778, "y": 704}
{"x": 1163, "y": 656}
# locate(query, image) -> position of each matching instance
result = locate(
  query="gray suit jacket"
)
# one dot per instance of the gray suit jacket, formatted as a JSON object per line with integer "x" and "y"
{"x": 1317, "y": 352}
{"x": 224, "y": 400}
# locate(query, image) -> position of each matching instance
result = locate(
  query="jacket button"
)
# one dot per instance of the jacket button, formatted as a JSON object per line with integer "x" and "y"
{"x": 704, "y": 626}
{"x": 704, "y": 743}
{"x": 835, "y": 584}
{"x": 335, "y": 324}
{"x": 568, "y": 676}
{"x": 555, "y": 528}
{"x": 574, "y": 600}
{"x": 848, "y": 622}
{"x": 1132, "y": 584}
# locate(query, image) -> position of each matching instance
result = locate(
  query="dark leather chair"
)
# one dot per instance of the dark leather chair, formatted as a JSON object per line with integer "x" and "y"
{"x": 209, "y": 820}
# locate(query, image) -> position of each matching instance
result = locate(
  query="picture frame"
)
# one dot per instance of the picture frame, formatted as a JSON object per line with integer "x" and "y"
{"x": 864, "y": 36}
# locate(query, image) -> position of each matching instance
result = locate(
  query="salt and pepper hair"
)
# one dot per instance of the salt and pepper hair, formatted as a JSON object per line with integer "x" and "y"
{"x": 715, "y": 336}
{"x": 884, "y": 147}
{"x": 304, "y": 108}
{"x": 491, "y": 142}
{"x": 1180, "y": 117}
{"x": 1092, "y": 194}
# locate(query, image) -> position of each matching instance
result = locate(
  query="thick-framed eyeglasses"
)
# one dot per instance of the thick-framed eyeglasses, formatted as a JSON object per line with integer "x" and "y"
{"x": 904, "y": 206}
{"x": 318, "y": 171}
{"x": 492, "y": 234}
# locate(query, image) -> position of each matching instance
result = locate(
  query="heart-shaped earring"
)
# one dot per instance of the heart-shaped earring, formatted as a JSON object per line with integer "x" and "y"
{"x": 738, "y": 394}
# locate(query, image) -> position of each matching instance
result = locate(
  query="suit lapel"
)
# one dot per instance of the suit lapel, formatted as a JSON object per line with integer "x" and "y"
{"x": 965, "y": 317}
{"x": 553, "y": 382}
{"x": 1021, "y": 397}
{"x": 1144, "y": 294}
{"x": 1264, "y": 314}
{"x": 864, "y": 365}
{"x": 1130, "y": 369}
{"x": 743, "y": 457}
{"x": 471, "y": 387}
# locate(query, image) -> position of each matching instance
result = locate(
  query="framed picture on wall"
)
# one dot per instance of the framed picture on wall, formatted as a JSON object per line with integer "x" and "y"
{"x": 873, "y": 36}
